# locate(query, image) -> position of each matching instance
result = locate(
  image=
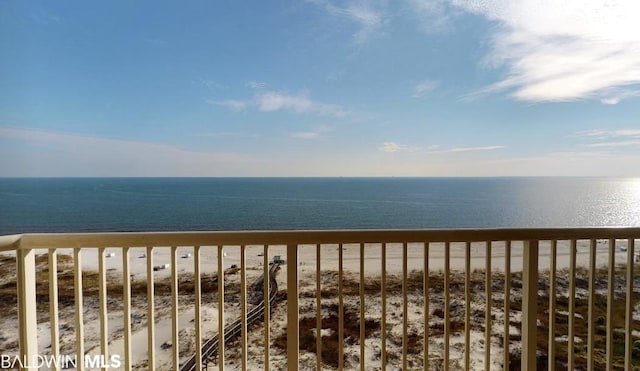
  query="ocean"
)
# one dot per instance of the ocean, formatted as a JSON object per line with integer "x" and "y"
{"x": 188, "y": 204}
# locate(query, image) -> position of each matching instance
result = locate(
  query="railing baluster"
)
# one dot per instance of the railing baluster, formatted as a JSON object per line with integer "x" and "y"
{"x": 318, "y": 311}
{"x": 629, "y": 307}
{"x": 529, "y": 305}
{"x": 340, "y": 310}
{"x": 267, "y": 305}
{"x": 102, "y": 291}
{"x": 362, "y": 321}
{"x": 614, "y": 302}
{"x": 467, "y": 305}
{"x": 572, "y": 305}
{"x": 425, "y": 288}
{"x": 26, "y": 291}
{"x": 507, "y": 301}
{"x": 243, "y": 308}
{"x": 53, "y": 306}
{"x": 126, "y": 304}
{"x": 197, "y": 288}
{"x": 447, "y": 314}
{"x": 221, "y": 334}
{"x": 293, "y": 326}
{"x": 383, "y": 299}
{"x": 77, "y": 283}
{"x": 405, "y": 306}
{"x": 151, "y": 322}
{"x": 610, "y": 298}
{"x": 592, "y": 299}
{"x": 552, "y": 305}
{"x": 175, "y": 343}
{"x": 487, "y": 315}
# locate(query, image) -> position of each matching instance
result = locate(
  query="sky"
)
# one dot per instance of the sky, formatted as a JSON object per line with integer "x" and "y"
{"x": 320, "y": 88}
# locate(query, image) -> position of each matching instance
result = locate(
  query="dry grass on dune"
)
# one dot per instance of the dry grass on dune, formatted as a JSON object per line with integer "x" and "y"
{"x": 90, "y": 285}
{"x": 372, "y": 287}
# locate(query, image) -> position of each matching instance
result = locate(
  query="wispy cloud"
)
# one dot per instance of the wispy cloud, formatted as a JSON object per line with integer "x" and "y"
{"x": 434, "y": 149}
{"x": 362, "y": 13}
{"x": 209, "y": 84}
{"x": 257, "y": 85}
{"x": 616, "y": 95}
{"x": 424, "y": 87}
{"x": 45, "y": 17}
{"x": 315, "y": 134}
{"x": 227, "y": 134}
{"x": 72, "y": 154}
{"x": 232, "y": 104}
{"x": 619, "y": 138}
{"x": 563, "y": 50}
{"x": 621, "y": 143}
{"x": 391, "y": 147}
{"x": 275, "y": 101}
{"x": 602, "y": 134}
{"x": 272, "y": 101}
{"x": 472, "y": 149}
{"x": 154, "y": 41}
{"x": 305, "y": 135}
{"x": 434, "y": 15}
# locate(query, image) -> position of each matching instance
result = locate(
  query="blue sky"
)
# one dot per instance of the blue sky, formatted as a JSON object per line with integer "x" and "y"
{"x": 320, "y": 88}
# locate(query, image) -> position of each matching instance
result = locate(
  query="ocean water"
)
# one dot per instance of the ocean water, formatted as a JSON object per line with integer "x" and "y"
{"x": 159, "y": 204}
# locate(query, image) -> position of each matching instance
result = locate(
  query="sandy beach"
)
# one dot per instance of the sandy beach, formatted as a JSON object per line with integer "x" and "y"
{"x": 351, "y": 257}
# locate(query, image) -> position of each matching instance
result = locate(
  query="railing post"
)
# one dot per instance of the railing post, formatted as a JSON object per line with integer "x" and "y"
{"x": 79, "y": 306}
{"x": 529, "y": 305}
{"x": 27, "y": 305}
{"x": 292, "y": 307}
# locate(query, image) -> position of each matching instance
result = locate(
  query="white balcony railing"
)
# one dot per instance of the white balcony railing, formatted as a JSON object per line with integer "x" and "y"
{"x": 444, "y": 299}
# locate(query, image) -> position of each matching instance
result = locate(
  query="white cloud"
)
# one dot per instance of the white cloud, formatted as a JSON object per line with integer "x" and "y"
{"x": 44, "y": 17}
{"x": 316, "y": 134}
{"x": 615, "y": 96}
{"x": 257, "y": 85}
{"x": 362, "y": 13}
{"x": 621, "y": 143}
{"x": 435, "y": 149}
{"x": 563, "y": 50}
{"x": 610, "y": 101}
{"x": 272, "y": 101}
{"x": 209, "y": 84}
{"x": 433, "y": 14}
{"x": 611, "y": 138}
{"x": 305, "y": 135}
{"x": 228, "y": 134}
{"x": 275, "y": 101}
{"x": 153, "y": 41}
{"x": 232, "y": 104}
{"x": 424, "y": 87}
{"x": 471, "y": 149}
{"x": 602, "y": 134}
{"x": 43, "y": 153}
{"x": 391, "y": 147}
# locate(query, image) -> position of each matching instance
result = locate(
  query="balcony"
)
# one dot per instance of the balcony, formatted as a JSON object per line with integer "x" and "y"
{"x": 371, "y": 299}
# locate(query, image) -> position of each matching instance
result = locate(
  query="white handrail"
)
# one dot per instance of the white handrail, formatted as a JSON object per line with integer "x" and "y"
{"x": 10, "y": 242}
{"x": 302, "y": 237}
